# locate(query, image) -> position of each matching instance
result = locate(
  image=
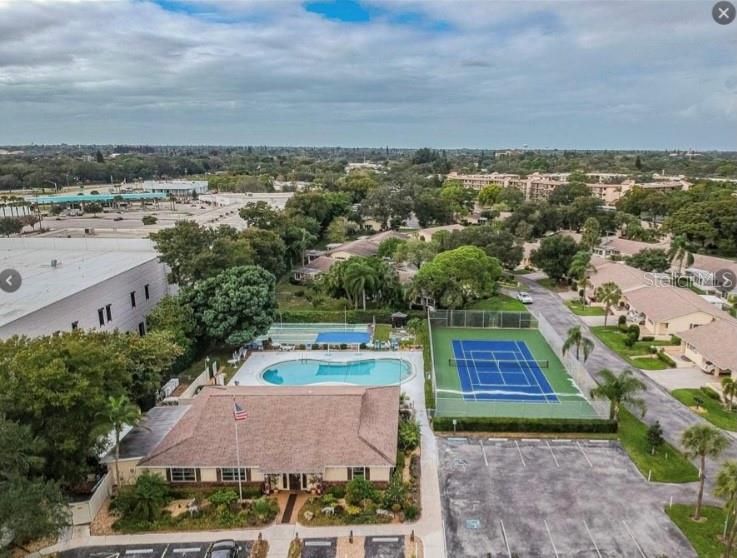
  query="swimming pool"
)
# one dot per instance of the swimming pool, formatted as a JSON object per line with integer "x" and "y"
{"x": 365, "y": 372}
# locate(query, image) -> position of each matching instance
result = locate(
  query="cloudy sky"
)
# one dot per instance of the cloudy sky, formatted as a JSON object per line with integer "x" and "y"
{"x": 452, "y": 73}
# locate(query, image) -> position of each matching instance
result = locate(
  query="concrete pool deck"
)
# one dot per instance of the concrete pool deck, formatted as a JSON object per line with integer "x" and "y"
{"x": 249, "y": 374}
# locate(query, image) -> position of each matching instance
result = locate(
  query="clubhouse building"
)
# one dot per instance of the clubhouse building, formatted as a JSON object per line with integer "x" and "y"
{"x": 294, "y": 438}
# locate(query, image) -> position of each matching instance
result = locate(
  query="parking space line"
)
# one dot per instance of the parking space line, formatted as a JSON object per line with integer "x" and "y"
{"x": 552, "y": 542}
{"x": 483, "y": 451}
{"x": 586, "y": 457}
{"x": 506, "y": 541}
{"x": 185, "y": 550}
{"x": 516, "y": 443}
{"x": 140, "y": 551}
{"x": 598, "y": 552}
{"x": 553, "y": 454}
{"x": 627, "y": 528}
{"x": 165, "y": 549}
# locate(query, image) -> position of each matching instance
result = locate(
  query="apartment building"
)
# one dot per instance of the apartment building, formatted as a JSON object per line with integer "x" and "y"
{"x": 80, "y": 283}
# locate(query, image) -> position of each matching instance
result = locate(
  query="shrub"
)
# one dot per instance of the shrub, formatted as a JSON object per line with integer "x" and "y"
{"x": 504, "y": 424}
{"x": 264, "y": 509}
{"x": 622, "y": 323}
{"x": 143, "y": 501}
{"x": 647, "y": 338}
{"x": 675, "y": 340}
{"x": 666, "y": 359}
{"x": 710, "y": 393}
{"x": 409, "y": 434}
{"x": 337, "y": 491}
{"x": 328, "y": 500}
{"x": 149, "y": 220}
{"x": 223, "y": 497}
{"x": 359, "y": 490}
{"x": 395, "y": 492}
{"x": 411, "y": 512}
{"x": 632, "y": 335}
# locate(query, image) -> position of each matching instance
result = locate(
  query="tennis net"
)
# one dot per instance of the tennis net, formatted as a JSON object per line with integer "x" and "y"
{"x": 487, "y": 364}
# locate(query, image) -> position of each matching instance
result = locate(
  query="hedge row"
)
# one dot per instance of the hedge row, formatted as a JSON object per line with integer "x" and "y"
{"x": 382, "y": 316}
{"x": 666, "y": 358}
{"x": 504, "y": 424}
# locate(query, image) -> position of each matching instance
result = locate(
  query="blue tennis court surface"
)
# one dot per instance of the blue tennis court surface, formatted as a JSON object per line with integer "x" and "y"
{"x": 343, "y": 337}
{"x": 500, "y": 371}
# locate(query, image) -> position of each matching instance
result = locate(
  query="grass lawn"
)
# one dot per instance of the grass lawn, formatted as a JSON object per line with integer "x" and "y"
{"x": 667, "y": 464}
{"x": 703, "y": 535}
{"x": 382, "y": 332}
{"x": 711, "y": 409}
{"x": 614, "y": 339}
{"x": 584, "y": 310}
{"x": 499, "y": 302}
{"x": 298, "y": 297}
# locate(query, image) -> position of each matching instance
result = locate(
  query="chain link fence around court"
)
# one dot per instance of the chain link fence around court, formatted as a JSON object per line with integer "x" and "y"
{"x": 579, "y": 405}
{"x": 482, "y": 319}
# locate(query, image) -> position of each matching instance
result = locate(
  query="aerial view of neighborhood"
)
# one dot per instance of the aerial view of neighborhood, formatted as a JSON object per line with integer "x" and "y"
{"x": 368, "y": 279}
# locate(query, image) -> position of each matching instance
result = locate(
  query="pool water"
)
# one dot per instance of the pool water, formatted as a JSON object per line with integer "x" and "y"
{"x": 367, "y": 372}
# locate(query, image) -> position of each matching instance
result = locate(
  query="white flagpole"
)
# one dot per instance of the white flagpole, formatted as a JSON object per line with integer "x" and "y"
{"x": 238, "y": 455}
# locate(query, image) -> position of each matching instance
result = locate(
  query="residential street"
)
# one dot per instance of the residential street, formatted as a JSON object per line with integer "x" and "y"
{"x": 674, "y": 417}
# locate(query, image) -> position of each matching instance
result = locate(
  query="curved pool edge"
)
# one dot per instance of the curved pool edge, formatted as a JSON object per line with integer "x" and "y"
{"x": 411, "y": 376}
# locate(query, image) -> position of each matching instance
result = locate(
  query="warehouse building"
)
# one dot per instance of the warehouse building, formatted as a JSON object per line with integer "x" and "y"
{"x": 74, "y": 283}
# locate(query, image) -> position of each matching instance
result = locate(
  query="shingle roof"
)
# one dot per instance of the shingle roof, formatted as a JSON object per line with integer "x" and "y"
{"x": 665, "y": 303}
{"x": 631, "y": 247}
{"x": 300, "y": 429}
{"x": 713, "y": 264}
{"x": 626, "y": 277}
{"x": 716, "y": 342}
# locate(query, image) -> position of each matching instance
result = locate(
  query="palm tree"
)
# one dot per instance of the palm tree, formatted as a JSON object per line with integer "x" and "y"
{"x": 726, "y": 488}
{"x": 618, "y": 390}
{"x": 609, "y": 294}
{"x": 360, "y": 277}
{"x": 119, "y": 411}
{"x": 702, "y": 441}
{"x": 576, "y": 339}
{"x": 680, "y": 251}
{"x": 729, "y": 390}
{"x": 580, "y": 269}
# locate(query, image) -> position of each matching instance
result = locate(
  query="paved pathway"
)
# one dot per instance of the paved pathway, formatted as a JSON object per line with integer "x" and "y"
{"x": 674, "y": 417}
{"x": 681, "y": 377}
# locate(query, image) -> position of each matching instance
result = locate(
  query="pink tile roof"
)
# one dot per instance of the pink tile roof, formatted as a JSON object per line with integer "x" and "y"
{"x": 297, "y": 429}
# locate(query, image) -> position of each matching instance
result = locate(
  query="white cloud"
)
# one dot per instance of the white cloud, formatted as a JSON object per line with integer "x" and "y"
{"x": 638, "y": 74}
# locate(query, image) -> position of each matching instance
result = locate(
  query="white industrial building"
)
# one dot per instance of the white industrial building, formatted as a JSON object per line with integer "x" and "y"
{"x": 177, "y": 188}
{"x": 80, "y": 283}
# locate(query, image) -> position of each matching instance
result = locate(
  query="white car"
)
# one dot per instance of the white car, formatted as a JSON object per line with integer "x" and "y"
{"x": 524, "y": 298}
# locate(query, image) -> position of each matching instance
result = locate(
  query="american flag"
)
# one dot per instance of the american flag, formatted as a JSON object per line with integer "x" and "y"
{"x": 239, "y": 413}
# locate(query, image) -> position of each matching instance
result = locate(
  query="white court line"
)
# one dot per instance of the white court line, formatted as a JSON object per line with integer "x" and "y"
{"x": 634, "y": 539}
{"x": 547, "y": 528}
{"x": 552, "y": 453}
{"x": 598, "y": 552}
{"x": 522, "y": 459}
{"x": 483, "y": 451}
{"x": 586, "y": 457}
{"x": 506, "y": 541}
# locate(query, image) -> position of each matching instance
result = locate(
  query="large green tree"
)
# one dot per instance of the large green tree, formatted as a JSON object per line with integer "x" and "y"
{"x": 554, "y": 256}
{"x": 702, "y": 441}
{"x": 234, "y": 306}
{"x": 458, "y": 276}
{"x": 619, "y": 390}
{"x": 650, "y": 259}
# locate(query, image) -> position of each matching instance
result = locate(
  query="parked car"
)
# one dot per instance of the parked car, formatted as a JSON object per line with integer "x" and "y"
{"x": 524, "y": 298}
{"x": 226, "y": 548}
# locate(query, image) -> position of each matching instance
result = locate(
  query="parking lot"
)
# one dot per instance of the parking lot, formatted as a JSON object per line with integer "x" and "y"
{"x": 557, "y": 498}
{"x": 172, "y": 550}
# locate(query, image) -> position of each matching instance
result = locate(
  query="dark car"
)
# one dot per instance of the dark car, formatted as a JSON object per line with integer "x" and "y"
{"x": 224, "y": 549}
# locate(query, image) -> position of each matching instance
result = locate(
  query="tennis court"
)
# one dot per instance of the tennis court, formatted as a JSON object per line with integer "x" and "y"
{"x": 502, "y": 372}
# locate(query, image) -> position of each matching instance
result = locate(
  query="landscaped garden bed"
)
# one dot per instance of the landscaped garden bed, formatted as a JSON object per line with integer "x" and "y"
{"x": 151, "y": 505}
{"x": 639, "y": 354}
{"x": 704, "y": 535}
{"x": 360, "y": 501}
{"x": 584, "y": 309}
